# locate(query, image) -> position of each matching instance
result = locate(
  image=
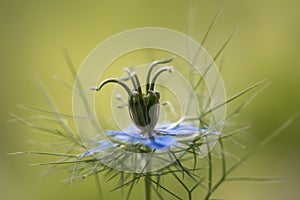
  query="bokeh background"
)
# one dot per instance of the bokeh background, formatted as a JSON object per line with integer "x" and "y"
{"x": 267, "y": 46}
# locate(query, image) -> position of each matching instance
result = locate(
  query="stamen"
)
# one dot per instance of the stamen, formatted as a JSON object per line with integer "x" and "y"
{"x": 120, "y": 106}
{"x": 135, "y": 80}
{"x": 157, "y": 73}
{"x": 137, "y": 83}
{"x": 152, "y": 65}
{"x": 122, "y": 101}
{"x": 130, "y": 76}
{"x": 113, "y": 80}
{"x": 125, "y": 78}
{"x": 119, "y": 97}
{"x": 170, "y": 105}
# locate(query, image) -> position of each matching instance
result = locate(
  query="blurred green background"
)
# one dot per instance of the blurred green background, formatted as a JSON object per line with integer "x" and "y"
{"x": 33, "y": 34}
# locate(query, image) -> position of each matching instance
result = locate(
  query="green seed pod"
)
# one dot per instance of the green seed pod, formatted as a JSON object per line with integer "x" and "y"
{"x": 144, "y": 110}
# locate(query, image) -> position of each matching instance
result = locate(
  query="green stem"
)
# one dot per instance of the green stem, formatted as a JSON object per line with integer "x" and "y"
{"x": 209, "y": 168}
{"x": 147, "y": 187}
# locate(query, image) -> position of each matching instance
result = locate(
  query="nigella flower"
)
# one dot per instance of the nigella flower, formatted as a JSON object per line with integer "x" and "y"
{"x": 145, "y": 135}
{"x": 173, "y": 158}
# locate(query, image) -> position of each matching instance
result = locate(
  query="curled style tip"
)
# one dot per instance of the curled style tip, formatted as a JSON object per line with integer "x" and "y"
{"x": 164, "y": 69}
{"x": 113, "y": 80}
{"x": 152, "y": 65}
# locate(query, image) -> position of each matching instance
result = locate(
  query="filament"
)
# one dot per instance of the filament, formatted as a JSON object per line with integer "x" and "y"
{"x": 135, "y": 80}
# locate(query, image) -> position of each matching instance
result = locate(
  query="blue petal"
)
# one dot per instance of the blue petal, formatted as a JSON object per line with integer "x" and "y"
{"x": 157, "y": 142}
{"x": 179, "y": 130}
{"x": 164, "y": 137}
{"x": 103, "y": 146}
{"x": 162, "y": 142}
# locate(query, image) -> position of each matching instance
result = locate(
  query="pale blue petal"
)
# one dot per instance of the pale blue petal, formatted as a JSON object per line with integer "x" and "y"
{"x": 104, "y": 145}
{"x": 180, "y": 130}
{"x": 157, "y": 142}
{"x": 164, "y": 137}
{"x": 162, "y": 142}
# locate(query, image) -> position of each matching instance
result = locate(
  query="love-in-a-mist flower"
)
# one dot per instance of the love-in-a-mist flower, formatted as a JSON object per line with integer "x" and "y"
{"x": 145, "y": 135}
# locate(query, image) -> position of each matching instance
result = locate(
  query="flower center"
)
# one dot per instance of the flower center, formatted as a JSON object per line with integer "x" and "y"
{"x": 143, "y": 107}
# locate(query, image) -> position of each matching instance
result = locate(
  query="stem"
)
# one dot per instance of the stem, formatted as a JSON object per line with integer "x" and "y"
{"x": 209, "y": 169}
{"x": 147, "y": 186}
{"x": 224, "y": 172}
{"x": 99, "y": 189}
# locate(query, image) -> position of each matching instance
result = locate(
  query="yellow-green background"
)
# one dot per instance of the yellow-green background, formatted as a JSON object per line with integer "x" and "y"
{"x": 33, "y": 34}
